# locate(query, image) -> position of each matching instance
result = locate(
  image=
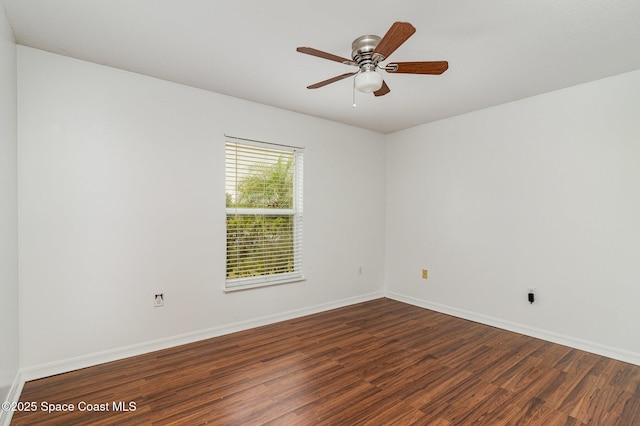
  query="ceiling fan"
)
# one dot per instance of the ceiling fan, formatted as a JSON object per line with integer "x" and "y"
{"x": 368, "y": 51}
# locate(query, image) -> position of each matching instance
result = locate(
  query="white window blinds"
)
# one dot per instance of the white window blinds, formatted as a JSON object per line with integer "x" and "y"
{"x": 264, "y": 214}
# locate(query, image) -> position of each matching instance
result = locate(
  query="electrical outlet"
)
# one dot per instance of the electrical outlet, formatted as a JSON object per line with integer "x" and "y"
{"x": 158, "y": 301}
{"x": 425, "y": 274}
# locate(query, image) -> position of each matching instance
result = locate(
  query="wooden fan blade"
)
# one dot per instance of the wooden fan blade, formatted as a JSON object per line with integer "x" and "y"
{"x": 397, "y": 34}
{"x": 320, "y": 54}
{"x": 383, "y": 90}
{"x": 437, "y": 67}
{"x": 332, "y": 80}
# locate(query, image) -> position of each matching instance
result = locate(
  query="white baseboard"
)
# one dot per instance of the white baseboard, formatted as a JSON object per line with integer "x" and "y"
{"x": 63, "y": 366}
{"x": 12, "y": 397}
{"x": 573, "y": 342}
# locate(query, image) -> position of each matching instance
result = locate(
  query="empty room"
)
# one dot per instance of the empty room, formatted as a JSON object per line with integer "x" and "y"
{"x": 319, "y": 213}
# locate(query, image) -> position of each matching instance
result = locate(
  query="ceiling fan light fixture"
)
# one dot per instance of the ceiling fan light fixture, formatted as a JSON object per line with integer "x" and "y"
{"x": 368, "y": 81}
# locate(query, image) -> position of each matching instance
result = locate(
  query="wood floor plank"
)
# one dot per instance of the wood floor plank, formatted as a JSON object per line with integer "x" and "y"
{"x": 375, "y": 363}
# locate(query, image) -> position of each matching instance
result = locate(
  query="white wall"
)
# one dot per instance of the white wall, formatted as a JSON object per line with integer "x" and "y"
{"x": 121, "y": 188}
{"x": 8, "y": 211}
{"x": 121, "y": 196}
{"x": 541, "y": 193}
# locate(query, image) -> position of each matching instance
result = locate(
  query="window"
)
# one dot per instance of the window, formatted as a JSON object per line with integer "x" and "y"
{"x": 264, "y": 214}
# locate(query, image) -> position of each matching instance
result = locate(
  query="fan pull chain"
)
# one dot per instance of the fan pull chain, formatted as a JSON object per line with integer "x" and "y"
{"x": 354, "y": 92}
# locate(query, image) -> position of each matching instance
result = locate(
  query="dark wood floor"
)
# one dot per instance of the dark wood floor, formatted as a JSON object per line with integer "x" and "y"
{"x": 379, "y": 363}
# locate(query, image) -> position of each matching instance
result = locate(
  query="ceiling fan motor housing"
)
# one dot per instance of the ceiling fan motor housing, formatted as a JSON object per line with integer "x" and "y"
{"x": 362, "y": 52}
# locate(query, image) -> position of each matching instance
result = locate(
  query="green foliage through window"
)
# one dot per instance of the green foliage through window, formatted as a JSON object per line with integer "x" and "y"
{"x": 259, "y": 245}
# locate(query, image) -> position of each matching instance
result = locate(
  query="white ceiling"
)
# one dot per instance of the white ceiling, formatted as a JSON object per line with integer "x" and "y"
{"x": 498, "y": 50}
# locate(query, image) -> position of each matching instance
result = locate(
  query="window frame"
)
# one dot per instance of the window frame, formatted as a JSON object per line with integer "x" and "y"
{"x": 296, "y": 213}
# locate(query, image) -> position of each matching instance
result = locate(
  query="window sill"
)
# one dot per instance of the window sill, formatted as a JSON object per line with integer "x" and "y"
{"x": 260, "y": 284}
